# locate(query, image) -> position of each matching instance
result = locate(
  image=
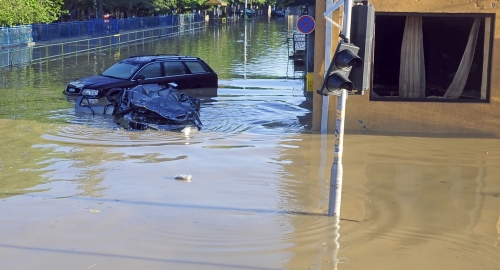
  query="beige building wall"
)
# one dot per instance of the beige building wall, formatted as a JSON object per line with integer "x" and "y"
{"x": 363, "y": 115}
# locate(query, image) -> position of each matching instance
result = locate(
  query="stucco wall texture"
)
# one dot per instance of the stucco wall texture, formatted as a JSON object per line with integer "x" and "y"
{"x": 467, "y": 119}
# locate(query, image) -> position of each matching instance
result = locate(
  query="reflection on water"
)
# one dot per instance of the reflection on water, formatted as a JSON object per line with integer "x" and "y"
{"x": 77, "y": 190}
{"x": 428, "y": 198}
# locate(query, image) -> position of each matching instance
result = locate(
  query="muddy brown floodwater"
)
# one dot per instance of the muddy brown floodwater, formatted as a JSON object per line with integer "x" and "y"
{"x": 79, "y": 193}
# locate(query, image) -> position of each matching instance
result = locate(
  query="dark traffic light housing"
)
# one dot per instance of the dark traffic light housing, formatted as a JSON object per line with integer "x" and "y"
{"x": 356, "y": 78}
{"x": 337, "y": 77}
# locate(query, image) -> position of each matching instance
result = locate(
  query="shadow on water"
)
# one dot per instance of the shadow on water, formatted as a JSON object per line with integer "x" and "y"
{"x": 193, "y": 263}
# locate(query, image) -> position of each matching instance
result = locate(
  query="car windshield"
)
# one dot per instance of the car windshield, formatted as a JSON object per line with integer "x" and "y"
{"x": 121, "y": 70}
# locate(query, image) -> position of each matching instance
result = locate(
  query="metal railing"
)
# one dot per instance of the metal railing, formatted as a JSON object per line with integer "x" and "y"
{"x": 18, "y": 35}
{"x": 15, "y": 35}
{"x": 51, "y": 31}
{"x": 31, "y": 54}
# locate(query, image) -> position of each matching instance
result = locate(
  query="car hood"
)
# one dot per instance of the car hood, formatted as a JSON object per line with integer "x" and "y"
{"x": 94, "y": 82}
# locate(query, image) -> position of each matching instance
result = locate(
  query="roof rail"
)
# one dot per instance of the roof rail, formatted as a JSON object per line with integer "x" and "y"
{"x": 151, "y": 55}
{"x": 156, "y": 57}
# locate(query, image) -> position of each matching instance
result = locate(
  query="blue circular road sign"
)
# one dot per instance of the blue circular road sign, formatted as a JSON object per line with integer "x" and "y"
{"x": 306, "y": 24}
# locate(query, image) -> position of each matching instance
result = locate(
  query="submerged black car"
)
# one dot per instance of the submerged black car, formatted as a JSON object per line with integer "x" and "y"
{"x": 148, "y": 106}
{"x": 155, "y": 107}
{"x": 186, "y": 72}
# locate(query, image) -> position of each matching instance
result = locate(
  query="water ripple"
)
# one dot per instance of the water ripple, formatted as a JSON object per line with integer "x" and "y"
{"x": 112, "y": 136}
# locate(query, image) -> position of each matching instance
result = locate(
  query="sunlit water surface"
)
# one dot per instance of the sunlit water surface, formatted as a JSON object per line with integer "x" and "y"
{"x": 80, "y": 193}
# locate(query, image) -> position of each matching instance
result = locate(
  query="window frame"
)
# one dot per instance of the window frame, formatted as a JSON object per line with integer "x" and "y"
{"x": 147, "y": 66}
{"x": 174, "y": 63}
{"x": 488, "y": 19}
{"x": 188, "y": 65}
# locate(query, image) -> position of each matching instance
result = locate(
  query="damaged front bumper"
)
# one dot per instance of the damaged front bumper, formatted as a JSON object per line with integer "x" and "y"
{"x": 99, "y": 106}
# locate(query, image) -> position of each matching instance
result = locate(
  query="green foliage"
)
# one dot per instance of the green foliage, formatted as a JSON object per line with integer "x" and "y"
{"x": 135, "y": 7}
{"x": 192, "y": 3}
{"x": 259, "y": 2}
{"x": 16, "y": 12}
{"x": 286, "y": 3}
{"x": 164, "y": 6}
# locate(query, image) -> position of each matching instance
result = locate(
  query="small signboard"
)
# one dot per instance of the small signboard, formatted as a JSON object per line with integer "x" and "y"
{"x": 306, "y": 24}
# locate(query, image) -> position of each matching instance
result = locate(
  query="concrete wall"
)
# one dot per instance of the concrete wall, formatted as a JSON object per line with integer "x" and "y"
{"x": 467, "y": 119}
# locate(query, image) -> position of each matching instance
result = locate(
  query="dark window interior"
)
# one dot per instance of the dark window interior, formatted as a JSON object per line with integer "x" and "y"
{"x": 151, "y": 71}
{"x": 174, "y": 68}
{"x": 444, "y": 38}
{"x": 195, "y": 67}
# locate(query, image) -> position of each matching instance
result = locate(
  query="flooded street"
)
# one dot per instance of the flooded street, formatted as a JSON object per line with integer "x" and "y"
{"x": 79, "y": 193}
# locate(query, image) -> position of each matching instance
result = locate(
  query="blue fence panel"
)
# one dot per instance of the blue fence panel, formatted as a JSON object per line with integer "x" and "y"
{"x": 91, "y": 28}
{"x": 4, "y": 36}
{"x": 4, "y": 58}
{"x": 40, "y": 32}
{"x": 54, "y": 31}
{"x": 169, "y": 20}
{"x": 101, "y": 27}
{"x": 72, "y": 29}
{"x": 131, "y": 24}
{"x": 132, "y": 29}
{"x": 15, "y": 35}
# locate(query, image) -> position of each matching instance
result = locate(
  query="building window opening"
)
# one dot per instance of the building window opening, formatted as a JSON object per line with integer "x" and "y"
{"x": 422, "y": 57}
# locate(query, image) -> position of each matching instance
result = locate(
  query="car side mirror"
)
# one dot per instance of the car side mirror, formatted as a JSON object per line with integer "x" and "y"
{"x": 139, "y": 77}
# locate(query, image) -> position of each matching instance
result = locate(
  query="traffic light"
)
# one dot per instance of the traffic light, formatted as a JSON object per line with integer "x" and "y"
{"x": 337, "y": 77}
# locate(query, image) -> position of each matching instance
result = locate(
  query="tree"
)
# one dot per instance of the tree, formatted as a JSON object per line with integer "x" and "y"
{"x": 188, "y": 5}
{"x": 164, "y": 6}
{"x": 16, "y": 12}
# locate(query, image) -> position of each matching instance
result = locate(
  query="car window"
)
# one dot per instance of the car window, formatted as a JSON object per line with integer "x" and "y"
{"x": 120, "y": 70}
{"x": 196, "y": 67}
{"x": 151, "y": 71}
{"x": 174, "y": 68}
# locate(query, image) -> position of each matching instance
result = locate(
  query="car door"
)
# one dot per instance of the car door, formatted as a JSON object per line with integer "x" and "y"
{"x": 201, "y": 75}
{"x": 152, "y": 72}
{"x": 176, "y": 72}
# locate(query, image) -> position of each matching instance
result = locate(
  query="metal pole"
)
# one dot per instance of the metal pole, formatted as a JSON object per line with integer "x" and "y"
{"x": 337, "y": 169}
{"x": 328, "y": 56}
{"x": 245, "y": 9}
{"x": 346, "y": 25}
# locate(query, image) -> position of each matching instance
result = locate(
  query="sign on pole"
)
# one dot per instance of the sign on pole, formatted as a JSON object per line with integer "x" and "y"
{"x": 306, "y": 24}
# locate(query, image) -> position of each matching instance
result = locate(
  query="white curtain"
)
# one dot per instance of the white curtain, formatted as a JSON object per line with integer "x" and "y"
{"x": 457, "y": 85}
{"x": 412, "y": 65}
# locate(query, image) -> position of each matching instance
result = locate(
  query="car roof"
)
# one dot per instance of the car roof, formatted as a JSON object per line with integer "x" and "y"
{"x": 159, "y": 57}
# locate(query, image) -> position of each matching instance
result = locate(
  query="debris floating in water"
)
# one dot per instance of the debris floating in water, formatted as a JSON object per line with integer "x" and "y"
{"x": 185, "y": 177}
